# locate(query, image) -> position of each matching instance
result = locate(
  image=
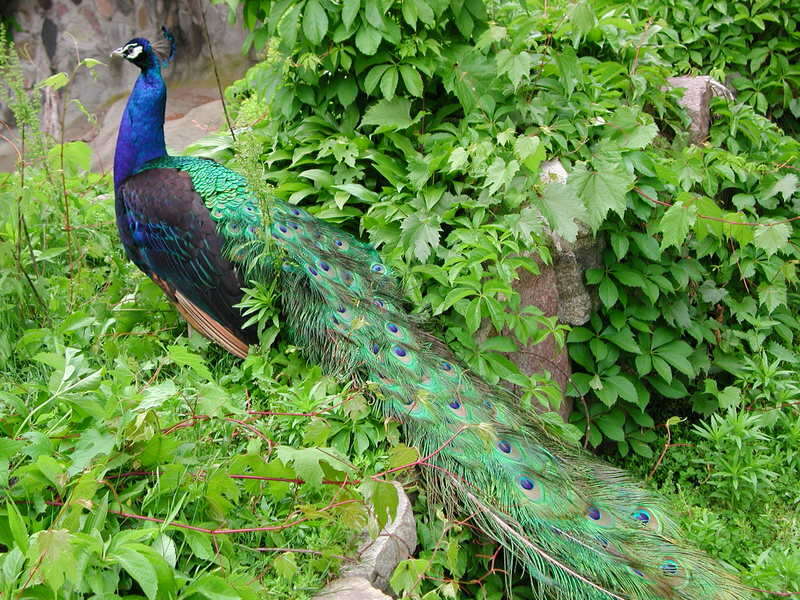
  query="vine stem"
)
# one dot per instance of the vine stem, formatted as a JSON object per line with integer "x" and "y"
{"x": 180, "y": 525}
{"x": 717, "y": 219}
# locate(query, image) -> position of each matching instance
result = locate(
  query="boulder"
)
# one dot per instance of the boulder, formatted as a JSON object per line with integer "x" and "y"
{"x": 351, "y": 588}
{"x": 697, "y": 95}
{"x": 558, "y": 290}
{"x": 395, "y": 543}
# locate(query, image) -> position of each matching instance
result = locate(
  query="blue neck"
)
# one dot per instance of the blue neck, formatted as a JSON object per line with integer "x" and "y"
{"x": 141, "y": 132}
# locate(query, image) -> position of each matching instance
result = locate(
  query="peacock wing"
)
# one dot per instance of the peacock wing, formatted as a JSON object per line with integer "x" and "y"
{"x": 169, "y": 234}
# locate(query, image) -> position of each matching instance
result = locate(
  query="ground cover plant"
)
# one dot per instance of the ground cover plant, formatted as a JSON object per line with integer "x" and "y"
{"x": 421, "y": 126}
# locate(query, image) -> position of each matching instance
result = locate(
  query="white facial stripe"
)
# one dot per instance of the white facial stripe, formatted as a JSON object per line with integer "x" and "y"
{"x": 131, "y": 51}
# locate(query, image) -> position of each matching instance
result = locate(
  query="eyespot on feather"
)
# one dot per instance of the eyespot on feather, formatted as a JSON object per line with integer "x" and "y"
{"x": 674, "y": 573}
{"x": 459, "y": 408}
{"x": 530, "y": 487}
{"x": 509, "y": 450}
{"x": 600, "y": 517}
{"x": 645, "y": 518}
{"x": 402, "y": 354}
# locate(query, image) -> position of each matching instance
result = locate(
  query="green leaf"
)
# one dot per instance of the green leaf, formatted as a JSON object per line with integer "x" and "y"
{"x": 409, "y": 574}
{"x": 454, "y": 296}
{"x": 420, "y": 235}
{"x": 288, "y": 26}
{"x": 412, "y": 80}
{"x": 786, "y": 186}
{"x": 402, "y": 455}
{"x": 389, "y": 82}
{"x": 499, "y": 174}
{"x": 213, "y": 587}
{"x": 530, "y": 151}
{"x": 306, "y": 462}
{"x": 601, "y": 190}
{"x": 315, "y": 22}
{"x": 346, "y": 90}
{"x": 181, "y": 355}
{"x": 91, "y": 444}
{"x": 384, "y": 498}
{"x": 772, "y": 295}
{"x": 350, "y": 10}
{"x": 77, "y": 157}
{"x": 458, "y": 158}
{"x": 611, "y": 426}
{"x": 390, "y": 115}
{"x": 359, "y": 191}
{"x": 676, "y": 223}
{"x": 562, "y": 208}
{"x": 51, "y": 550}
{"x": 373, "y": 77}
{"x": 424, "y": 11}
{"x": 139, "y": 568}
{"x": 368, "y": 39}
{"x": 582, "y": 19}
{"x": 608, "y": 292}
{"x": 772, "y": 237}
{"x": 56, "y": 82}
{"x": 622, "y": 338}
{"x": 516, "y": 66}
{"x": 285, "y": 565}
{"x": 17, "y": 526}
{"x": 155, "y": 395}
{"x": 373, "y": 13}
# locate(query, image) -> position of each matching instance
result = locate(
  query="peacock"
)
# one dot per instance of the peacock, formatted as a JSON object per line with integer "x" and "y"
{"x": 580, "y": 527}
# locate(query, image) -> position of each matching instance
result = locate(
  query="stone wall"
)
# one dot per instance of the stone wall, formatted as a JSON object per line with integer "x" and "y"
{"x": 54, "y": 33}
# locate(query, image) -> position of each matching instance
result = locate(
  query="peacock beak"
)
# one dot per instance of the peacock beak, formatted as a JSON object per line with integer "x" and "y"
{"x": 118, "y": 52}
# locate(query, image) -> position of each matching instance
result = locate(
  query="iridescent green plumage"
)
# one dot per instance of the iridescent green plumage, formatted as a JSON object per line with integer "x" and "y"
{"x": 579, "y": 526}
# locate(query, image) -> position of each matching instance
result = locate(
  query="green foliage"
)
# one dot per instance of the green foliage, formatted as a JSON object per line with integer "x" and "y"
{"x": 754, "y": 46}
{"x": 421, "y": 125}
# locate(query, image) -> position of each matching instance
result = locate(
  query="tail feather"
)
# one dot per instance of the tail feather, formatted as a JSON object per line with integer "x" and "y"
{"x": 579, "y": 526}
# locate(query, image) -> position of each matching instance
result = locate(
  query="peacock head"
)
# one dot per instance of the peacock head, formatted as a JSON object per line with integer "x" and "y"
{"x": 144, "y": 54}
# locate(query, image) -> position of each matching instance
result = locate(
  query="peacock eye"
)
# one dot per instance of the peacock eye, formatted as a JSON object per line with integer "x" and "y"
{"x": 504, "y": 446}
{"x": 392, "y": 327}
{"x": 669, "y": 567}
{"x": 375, "y": 348}
{"x": 455, "y": 404}
{"x": 593, "y": 513}
{"x": 378, "y": 268}
{"x": 526, "y": 483}
{"x": 295, "y": 212}
{"x": 399, "y": 351}
{"x": 324, "y": 266}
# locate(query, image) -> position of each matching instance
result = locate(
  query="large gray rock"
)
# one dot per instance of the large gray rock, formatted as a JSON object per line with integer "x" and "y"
{"x": 395, "y": 543}
{"x": 558, "y": 290}
{"x": 697, "y": 95}
{"x": 571, "y": 260}
{"x": 351, "y": 588}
